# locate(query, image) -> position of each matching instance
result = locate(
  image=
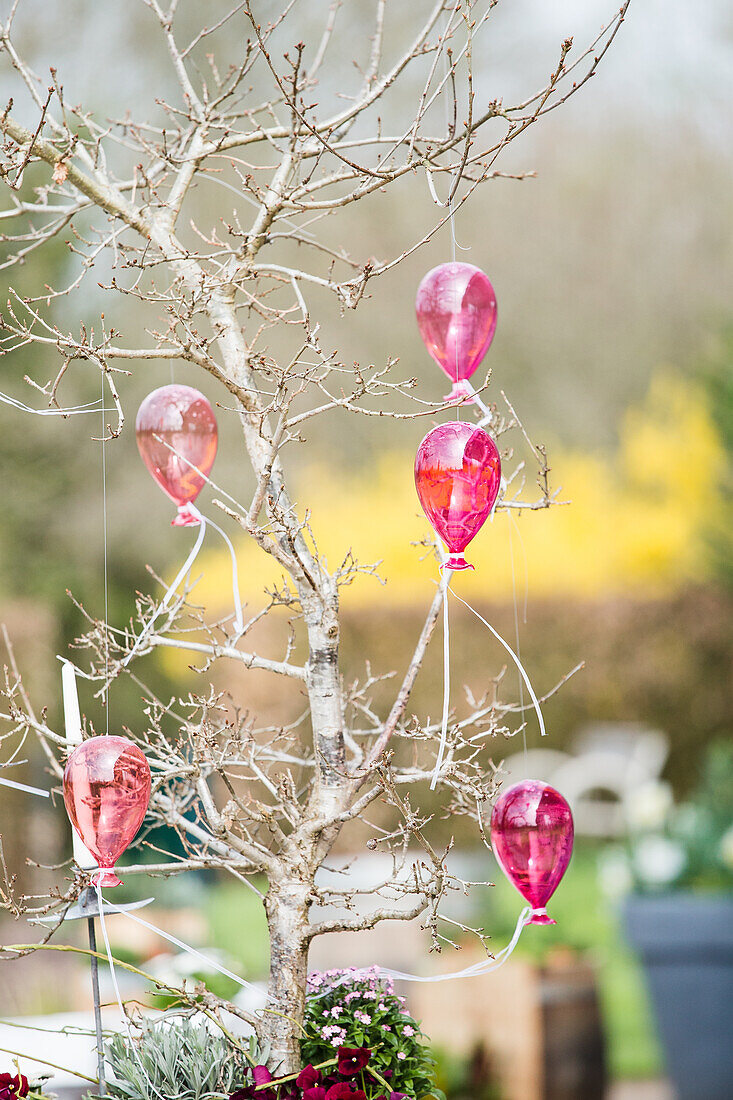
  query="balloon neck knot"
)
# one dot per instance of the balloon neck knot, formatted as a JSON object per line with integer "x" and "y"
{"x": 188, "y": 516}
{"x": 540, "y": 916}
{"x": 461, "y": 389}
{"x": 456, "y": 561}
{"x": 106, "y": 878}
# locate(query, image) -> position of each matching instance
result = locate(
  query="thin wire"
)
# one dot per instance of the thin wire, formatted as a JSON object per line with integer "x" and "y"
{"x": 446, "y": 679}
{"x": 512, "y": 654}
{"x": 516, "y": 638}
{"x": 451, "y": 210}
{"x": 105, "y": 695}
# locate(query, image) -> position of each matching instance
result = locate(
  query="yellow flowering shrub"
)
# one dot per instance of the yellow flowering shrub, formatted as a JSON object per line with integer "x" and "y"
{"x": 636, "y": 520}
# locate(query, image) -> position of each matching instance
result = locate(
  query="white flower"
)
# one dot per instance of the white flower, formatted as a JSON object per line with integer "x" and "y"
{"x": 647, "y": 806}
{"x": 726, "y": 848}
{"x": 658, "y": 861}
{"x": 614, "y": 872}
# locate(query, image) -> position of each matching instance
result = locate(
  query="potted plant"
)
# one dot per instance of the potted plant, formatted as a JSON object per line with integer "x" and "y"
{"x": 358, "y": 1043}
{"x": 679, "y": 918}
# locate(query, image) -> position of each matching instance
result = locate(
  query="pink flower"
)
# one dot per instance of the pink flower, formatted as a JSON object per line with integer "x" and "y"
{"x": 401, "y": 1055}
{"x": 408, "y": 1030}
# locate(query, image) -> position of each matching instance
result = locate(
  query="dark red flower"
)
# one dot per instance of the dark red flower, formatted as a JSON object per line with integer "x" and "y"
{"x": 13, "y": 1087}
{"x": 344, "y": 1091}
{"x": 308, "y": 1077}
{"x": 316, "y": 1092}
{"x": 261, "y": 1076}
{"x": 352, "y": 1059}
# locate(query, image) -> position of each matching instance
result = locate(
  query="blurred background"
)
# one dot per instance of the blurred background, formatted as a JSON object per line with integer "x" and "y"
{"x": 613, "y": 269}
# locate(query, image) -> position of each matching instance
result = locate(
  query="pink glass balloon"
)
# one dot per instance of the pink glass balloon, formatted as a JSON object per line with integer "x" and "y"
{"x": 457, "y": 476}
{"x": 182, "y": 418}
{"x": 532, "y": 838}
{"x": 106, "y": 791}
{"x": 456, "y": 315}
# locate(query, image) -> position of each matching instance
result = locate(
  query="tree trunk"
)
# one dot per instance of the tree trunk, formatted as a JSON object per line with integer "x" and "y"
{"x": 288, "y": 901}
{"x": 287, "y": 905}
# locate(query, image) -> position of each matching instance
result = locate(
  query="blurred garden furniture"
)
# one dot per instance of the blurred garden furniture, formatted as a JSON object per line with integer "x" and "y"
{"x": 540, "y": 1026}
{"x": 610, "y": 762}
{"x": 679, "y": 918}
{"x": 686, "y": 946}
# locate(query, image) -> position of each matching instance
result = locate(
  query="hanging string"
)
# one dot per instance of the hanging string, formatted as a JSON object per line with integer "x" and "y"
{"x": 446, "y": 588}
{"x": 105, "y": 692}
{"x": 118, "y": 996}
{"x": 512, "y": 654}
{"x": 446, "y": 679}
{"x": 194, "y": 512}
{"x": 516, "y": 638}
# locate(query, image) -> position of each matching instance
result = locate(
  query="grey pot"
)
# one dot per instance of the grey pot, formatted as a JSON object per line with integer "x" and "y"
{"x": 685, "y": 942}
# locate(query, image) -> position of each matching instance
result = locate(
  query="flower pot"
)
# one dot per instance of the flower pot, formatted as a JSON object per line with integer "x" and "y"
{"x": 685, "y": 942}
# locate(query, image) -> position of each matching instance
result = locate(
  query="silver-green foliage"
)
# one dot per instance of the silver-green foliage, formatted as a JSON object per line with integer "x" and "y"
{"x": 175, "y": 1059}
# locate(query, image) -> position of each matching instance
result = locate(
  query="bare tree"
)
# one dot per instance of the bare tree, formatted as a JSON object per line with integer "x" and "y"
{"x": 271, "y": 129}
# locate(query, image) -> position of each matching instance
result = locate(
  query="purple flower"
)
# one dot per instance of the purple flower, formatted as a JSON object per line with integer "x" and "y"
{"x": 398, "y": 1096}
{"x": 308, "y": 1077}
{"x": 351, "y": 1060}
{"x": 317, "y": 1092}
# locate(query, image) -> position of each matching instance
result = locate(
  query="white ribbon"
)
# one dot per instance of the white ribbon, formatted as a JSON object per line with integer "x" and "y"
{"x": 513, "y": 656}
{"x": 172, "y": 939}
{"x": 471, "y": 393}
{"x": 113, "y": 976}
{"x": 446, "y": 681}
{"x": 446, "y": 672}
{"x": 72, "y": 722}
{"x": 192, "y": 510}
{"x": 166, "y": 936}
{"x": 170, "y": 592}
{"x": 24, "y": 787}
{"x": 238, "y": 619}
{"x": 486, "y": 966}
{"x": 91, "y": 406}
